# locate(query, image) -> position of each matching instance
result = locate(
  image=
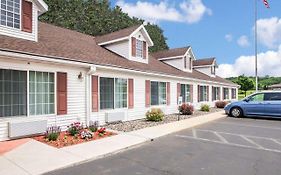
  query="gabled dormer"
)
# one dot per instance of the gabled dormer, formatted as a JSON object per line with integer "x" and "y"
{"x": 180, "y": 58}
{"x": 19, "y": 18}
{"x": 207, "y": 66}
{"x": 131, "y": 43}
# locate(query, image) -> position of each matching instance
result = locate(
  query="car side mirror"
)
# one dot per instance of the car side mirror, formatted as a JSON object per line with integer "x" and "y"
{"x": 247, "y": 100}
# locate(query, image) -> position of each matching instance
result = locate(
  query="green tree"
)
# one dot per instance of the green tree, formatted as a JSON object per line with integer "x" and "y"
{"x": 245, "y": 83}
{"x": 157, "y": 36}
{"x": 97, "y": 17}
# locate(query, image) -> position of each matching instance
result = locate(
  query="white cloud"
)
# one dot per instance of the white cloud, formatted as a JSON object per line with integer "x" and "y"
{"x": 243, "y": 41}
{"x": 189, "y": 11}
{"x": 269, "y": 63}
{"x": 269, "y": 32}
{"x": 228, "y": 37}
{"x": 194, "y": 10}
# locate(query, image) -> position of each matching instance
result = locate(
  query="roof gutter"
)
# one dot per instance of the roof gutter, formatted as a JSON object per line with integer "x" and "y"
{"x": 62, "y": 60}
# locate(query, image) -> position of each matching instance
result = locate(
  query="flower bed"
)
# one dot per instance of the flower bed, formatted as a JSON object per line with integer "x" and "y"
{"x": 143, "y": 123}
{"x": 75, "y": 134}
{"x": 65, "y": 139}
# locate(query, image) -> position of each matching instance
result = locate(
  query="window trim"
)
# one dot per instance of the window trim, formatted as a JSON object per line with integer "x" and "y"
{"x": 228, "y": 98}
{"x": 20, "y": 18}
{"x": 206, "y": 94}
{"x": 190, "y": 96}
{"x": 27, "y": 90}
{"x": 219, "y": 93}
{"x": 158, "y": 82}
{"x": 99, "y": 99}
{"x": 137, "y": 50}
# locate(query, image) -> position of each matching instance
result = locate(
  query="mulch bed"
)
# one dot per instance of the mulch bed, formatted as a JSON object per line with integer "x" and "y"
{"x": 143, "y": 123}
{"x": 65, "y": 139}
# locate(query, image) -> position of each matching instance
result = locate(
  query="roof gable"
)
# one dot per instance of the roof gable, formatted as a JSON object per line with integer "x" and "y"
{"x": 123, "y": 35}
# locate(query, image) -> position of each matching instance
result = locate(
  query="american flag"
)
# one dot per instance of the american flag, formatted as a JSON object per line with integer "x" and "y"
{"x": 266, "y": 3}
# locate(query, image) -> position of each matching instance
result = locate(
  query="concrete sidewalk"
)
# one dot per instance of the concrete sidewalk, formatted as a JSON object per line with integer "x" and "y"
{"x": 35, "y": 157}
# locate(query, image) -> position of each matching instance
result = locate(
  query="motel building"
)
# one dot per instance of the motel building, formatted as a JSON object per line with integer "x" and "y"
{"x": 54, "y": 76}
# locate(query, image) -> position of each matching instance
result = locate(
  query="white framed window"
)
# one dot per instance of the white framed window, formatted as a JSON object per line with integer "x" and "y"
{"x": 225, "y": 93}
{"x": 215, "y": 93}
{"x": 233, "y": 92}
{"x": 139, "y": 48}
{"x": 158, "y": 93}
{"x": 41, "y": 93}
{"x": 113, "y": 93}
{"x": 10, "y": 13}
{"x": 14, "y": 93}
{"x": 185, "y": 93}
{"x": 203, "y": 93}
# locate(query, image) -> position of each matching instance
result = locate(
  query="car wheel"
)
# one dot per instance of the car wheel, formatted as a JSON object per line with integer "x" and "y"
{"x": 236, "y": 112}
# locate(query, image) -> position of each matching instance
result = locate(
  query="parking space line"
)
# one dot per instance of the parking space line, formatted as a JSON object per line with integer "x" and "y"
{"x": 248, "y": 136}
{"x": 251, "y": 141}
{"x": 230, "y": 144}
{"x": 276, "y": 141}
{"x": 259, "y": 126}
{"x": 221, "y": 137}
{"x": 194, "y": 133}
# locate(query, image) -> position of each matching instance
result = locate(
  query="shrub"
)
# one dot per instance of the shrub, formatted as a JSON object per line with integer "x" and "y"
{"x": 186, "y": 109}
{"x": 221, "y": 104}
{"x": 155, "y": 115}
{"x": 205, "y": 108}
{"x": 74, "y": 128}
{"x": 93, "y": 126}
{"x": 52, "y": 133}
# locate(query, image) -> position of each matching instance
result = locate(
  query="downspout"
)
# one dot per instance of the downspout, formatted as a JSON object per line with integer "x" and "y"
{"x": 88, "y": 92}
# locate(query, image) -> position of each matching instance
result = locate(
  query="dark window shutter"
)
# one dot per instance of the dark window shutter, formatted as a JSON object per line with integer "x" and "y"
{"x": 208, "y": 95}
{"x": 191, "y": 93}
{"x": 144, "y": 51}
{"x": 27, "y": 16}
{"x": 198, "y": 92}
{"x": 95, "y": 94}
{"x": 147, "y": 93}
{"x": 168, "y": 93}
{"x": 178, "y": 91}
{"x": 131, "y": 93}
{"x": 61, "y": 93}
{"x": 133, "y": 46}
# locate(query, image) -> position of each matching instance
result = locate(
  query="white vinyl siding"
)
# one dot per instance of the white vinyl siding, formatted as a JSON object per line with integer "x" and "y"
{"x": 10, "y": 13}
{"x": 41, "y": 93}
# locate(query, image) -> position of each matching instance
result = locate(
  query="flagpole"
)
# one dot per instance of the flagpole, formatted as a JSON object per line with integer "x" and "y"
{"x": 256, "y": 46}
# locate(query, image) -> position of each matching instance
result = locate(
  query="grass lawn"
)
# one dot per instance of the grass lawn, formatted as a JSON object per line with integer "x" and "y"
{"x": 242, "y": 95}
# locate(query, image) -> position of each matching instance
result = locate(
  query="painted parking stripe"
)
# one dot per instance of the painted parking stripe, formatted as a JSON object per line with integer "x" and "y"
{"x": 221, "y": 137}
{"x": 194, "y": 133}
{"x": 254, "y": 126}
{"x": 248, "y": 136}
{"x": 251, "y": 141}
{"x": 230, "y": 144}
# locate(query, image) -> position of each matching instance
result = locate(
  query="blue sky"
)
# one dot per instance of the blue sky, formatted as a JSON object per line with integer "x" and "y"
{"x": 219, "y": 28}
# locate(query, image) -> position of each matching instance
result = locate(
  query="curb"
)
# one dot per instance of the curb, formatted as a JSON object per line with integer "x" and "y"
{"x": 146, "y": 133}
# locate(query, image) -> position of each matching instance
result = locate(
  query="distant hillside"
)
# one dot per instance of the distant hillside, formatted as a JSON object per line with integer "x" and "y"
{"x": 264, "y": 82}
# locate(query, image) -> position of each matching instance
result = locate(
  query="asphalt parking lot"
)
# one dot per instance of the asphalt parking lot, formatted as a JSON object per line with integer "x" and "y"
{"x": 223, "y": 147}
